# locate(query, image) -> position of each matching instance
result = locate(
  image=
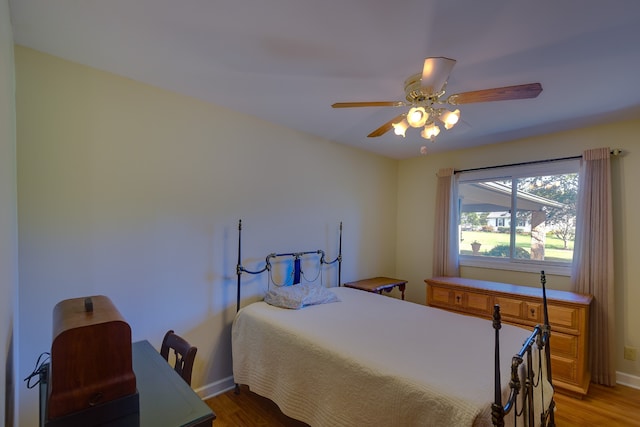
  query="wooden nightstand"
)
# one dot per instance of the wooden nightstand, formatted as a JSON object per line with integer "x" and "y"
{"x": 378, "y": 284}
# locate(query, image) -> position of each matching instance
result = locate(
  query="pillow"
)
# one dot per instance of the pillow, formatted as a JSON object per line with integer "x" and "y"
{"x": 298, "y": 296}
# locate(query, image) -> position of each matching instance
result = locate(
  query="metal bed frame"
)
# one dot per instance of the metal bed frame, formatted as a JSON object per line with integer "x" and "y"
{"x": 539, "y": 336}
{"x": 296, "y": 262}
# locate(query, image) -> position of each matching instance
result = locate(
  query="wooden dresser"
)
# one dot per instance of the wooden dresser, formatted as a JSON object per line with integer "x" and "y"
{"x": 522, "y": 305}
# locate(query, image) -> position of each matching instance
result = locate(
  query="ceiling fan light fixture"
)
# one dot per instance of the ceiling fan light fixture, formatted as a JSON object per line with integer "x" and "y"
{"x": 400, "y": 128}
{"x": 429, "y": 107}
{"x": 417, "y": 117}
{"x": 450, "y": 118}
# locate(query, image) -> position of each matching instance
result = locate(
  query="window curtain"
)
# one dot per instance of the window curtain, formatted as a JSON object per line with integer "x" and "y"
{"x": 445, "y": 240}
{"x": 593, "y": 259}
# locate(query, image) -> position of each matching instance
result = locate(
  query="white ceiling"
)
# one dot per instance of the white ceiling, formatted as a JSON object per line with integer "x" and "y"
{"x": 287, "y": 61}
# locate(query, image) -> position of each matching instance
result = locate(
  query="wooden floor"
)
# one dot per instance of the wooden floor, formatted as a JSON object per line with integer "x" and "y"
{"x": 247, "y": 409}
{"x": 604, "y": 406}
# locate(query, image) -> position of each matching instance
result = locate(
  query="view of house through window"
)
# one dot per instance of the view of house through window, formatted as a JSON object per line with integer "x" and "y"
{"x": 526, "y": 216}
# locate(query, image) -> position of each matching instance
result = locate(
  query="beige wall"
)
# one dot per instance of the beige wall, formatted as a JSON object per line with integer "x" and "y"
{"x": 416, "y": 194}
{"x": 134, "y": 192}
{"x": 8, "y": 218}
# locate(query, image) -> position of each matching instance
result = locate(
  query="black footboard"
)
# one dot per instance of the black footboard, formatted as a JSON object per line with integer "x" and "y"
{"x": 525, "y": 382}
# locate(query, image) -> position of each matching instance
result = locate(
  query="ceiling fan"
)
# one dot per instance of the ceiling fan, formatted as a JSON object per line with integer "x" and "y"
{"x": 425, "y": 95}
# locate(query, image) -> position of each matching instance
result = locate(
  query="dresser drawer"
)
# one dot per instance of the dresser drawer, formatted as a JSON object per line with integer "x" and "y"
{"x": 461, "y": 301}
{"x": 564, "y": 369}
{"x": 563, "y": 317}
{"x": 440, "y": 297}
{"x": 519, "y": 310}
{"x": 509, "y": 307}
{"x": 564, "y": 345}
{"x": 478, "y": 303}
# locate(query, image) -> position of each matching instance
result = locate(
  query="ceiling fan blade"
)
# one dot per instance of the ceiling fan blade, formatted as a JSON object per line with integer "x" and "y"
{"x": 369, "y": 104}
{"x": 435, "y": 73}
{"x": 506, "y": 93}
{"x": 386, "y": 127}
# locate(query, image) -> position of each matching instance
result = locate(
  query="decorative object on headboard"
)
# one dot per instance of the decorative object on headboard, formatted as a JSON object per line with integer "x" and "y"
{"x": 297, "y": 270}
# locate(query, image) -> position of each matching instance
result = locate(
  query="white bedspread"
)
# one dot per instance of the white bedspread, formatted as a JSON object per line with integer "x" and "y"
{"x": 371, "y": 360}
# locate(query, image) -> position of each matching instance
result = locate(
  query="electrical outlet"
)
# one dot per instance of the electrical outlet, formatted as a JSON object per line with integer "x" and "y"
{"x": 629, "y": 353}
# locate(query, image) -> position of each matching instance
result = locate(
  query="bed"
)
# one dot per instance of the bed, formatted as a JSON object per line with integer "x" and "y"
{"x": 366, "y": 359}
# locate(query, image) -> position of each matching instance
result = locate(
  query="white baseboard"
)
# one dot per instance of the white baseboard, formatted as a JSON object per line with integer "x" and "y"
{"x": 628, "y": 380}
{"x": 215, "y": 388}
{"x": 226, "y": 384}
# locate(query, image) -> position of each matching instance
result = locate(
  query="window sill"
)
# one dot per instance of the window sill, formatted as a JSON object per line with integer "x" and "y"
{"x": 526, "y": 267}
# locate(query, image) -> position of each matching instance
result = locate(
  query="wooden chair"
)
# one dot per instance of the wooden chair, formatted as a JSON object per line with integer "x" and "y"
{"x": 184, "y": 353}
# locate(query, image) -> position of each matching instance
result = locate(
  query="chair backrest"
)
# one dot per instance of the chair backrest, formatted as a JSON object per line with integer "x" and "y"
{"x": 184, "y": 354}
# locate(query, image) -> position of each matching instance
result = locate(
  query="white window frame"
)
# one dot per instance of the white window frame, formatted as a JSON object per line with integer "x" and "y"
{"x": 515, "y": 172}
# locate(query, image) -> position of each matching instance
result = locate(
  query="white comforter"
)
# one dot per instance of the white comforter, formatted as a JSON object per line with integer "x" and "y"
{"x": 371, "y": 360}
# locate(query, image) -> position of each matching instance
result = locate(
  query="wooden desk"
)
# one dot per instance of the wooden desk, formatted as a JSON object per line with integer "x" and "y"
{"x": 166, "y": 400}
{"x": 378, "y": 284}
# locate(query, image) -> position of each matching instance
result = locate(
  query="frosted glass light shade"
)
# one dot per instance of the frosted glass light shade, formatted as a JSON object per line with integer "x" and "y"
{"x": 400, "y": 128}
{"x": 450, "y": 118}
{"x": 417, "y": 117}
{"x": 430, "y": 131}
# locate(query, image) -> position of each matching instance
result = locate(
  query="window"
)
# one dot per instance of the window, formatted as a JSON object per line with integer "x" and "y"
{"x": 519, "y": 217}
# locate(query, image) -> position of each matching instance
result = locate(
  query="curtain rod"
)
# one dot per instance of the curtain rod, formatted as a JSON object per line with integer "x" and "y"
{"x": 614, "y": 152}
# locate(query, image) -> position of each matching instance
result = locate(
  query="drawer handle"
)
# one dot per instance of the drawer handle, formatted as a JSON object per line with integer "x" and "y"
{"x": 458, "y": 297}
